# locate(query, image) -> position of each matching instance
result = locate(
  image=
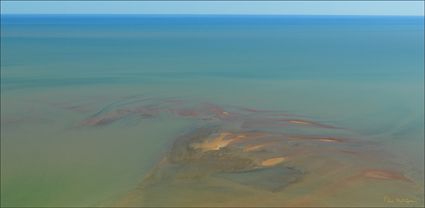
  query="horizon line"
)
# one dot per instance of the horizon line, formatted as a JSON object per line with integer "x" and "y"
{"x": 206, "y": 14}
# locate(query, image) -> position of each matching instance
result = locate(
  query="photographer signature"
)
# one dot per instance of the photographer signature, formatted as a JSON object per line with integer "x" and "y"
{"x": 403, "y": 200}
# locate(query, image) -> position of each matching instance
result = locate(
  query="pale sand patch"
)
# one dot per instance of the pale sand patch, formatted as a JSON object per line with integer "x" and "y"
{"x": 385, "y": 175}
{"x": 256, "y": 147}
{"x": 222, "y": 140}
{"x": 299, "y": 122}
{"x": 329, "y": 140}
{"x": 253, "y": 148}
{"x": 272, "y": 161}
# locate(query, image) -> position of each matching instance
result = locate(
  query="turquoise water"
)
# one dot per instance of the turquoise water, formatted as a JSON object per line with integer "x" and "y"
{"x": 363, "y": 74}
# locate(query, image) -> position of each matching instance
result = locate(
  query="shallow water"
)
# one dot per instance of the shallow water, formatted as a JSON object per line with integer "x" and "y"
{"x": 94, "y": 109}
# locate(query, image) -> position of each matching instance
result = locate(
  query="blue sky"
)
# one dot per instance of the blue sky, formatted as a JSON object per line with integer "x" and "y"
{"x": 216, "y": 7}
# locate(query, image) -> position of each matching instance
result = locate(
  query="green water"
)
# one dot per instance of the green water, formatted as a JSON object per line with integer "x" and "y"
{"x": 364, "y": 74}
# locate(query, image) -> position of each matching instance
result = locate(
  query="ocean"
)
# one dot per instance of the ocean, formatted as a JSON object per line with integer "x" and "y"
{"x": 212, "y": 110}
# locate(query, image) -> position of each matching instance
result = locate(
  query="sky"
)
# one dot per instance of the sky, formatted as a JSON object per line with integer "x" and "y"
{"x": 410, "y": 8}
